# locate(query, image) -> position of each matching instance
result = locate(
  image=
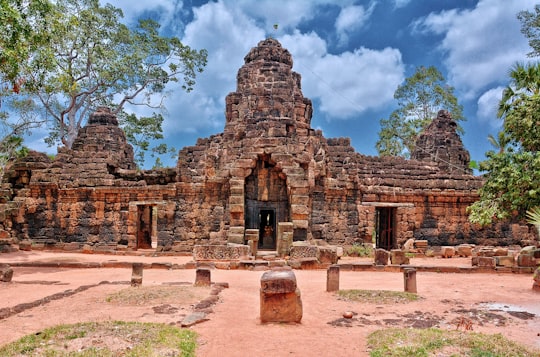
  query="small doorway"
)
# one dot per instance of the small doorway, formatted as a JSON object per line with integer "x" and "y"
{"x": 267, "y": 229}
{"x": 144, "y": 226}
{"x": 385, "y": 222}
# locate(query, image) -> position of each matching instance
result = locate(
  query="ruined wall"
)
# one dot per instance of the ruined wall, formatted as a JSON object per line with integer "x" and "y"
{"x": 267, "y": 160}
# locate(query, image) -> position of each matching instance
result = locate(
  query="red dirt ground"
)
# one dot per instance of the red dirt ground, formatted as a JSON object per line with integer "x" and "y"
{"x": 493, "y": 303}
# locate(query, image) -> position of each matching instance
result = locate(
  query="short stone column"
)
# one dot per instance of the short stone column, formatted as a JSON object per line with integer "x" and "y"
{"x": 409, "y": 278}
{"x": 284, "y": 238}
{"x": 136, "y": 274}
{"x": 280, "y": 297}
{"x": 252, "y": 238}
{"x": 202, "y": 277}
{"x": 6, "y": 273}
{"x": 332, "y": 278}
{"x": 381, "y": 257}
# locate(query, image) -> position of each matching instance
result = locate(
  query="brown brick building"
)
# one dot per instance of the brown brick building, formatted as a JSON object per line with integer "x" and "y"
{"x": 268, "y": 175}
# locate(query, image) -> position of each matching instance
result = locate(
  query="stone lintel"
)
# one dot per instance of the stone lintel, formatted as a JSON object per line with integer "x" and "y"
{"x": 388, "y": 204}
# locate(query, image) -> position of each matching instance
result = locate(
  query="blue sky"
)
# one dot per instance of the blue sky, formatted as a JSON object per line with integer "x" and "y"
{"x": 351, "y": 55}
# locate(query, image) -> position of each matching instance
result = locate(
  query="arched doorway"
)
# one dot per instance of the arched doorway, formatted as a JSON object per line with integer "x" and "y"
{"x": 266, "y": 201}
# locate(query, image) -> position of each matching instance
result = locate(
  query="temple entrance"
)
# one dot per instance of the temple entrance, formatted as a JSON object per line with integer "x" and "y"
{"x": 385, "y": 221}
{"x": 144, "y": 226}
{"x": 267, "y": 229}
{"x": 266, "y": 201}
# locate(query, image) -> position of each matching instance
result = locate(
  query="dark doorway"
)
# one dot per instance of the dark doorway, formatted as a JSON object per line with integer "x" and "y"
{"x": 267, "y": 229}
{"x": 144, "y": 227}
{"x": 385, "y": 219}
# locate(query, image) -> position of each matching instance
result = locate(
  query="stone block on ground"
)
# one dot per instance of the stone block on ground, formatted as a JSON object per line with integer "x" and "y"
{"x": 6, "y": 273}
{"x": 398, "y": 257}
{"x": 526, "y": 260}
{"x": 327, "y": 255}
{"x": 381, "y": 256}
{"x": 464, "y": 250}
{"x": 220, "y": 252}
{"x": 280, "y": 297}
{"x": 421, "y": 245}
{"x": 506, "y": 261}
{"x": 408, "y": 245}
{"x": 332, "y": 278}
{"x": 303, "y": 250}
{"x": 25, "y": 245}
{"x": 486, "y": 262}
{"x": 202, "y": 277}
{"x": 448, "y": 252}
{"x": 137, "y": 274}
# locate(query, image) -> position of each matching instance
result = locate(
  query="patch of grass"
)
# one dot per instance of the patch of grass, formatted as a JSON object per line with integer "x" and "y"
{"x": 360, "y": 250}
{"x": 143, "y": 295}
{"x": 377, "y": 296}
{"x": 103, "y": 339}
{"x": 436, "y": 342}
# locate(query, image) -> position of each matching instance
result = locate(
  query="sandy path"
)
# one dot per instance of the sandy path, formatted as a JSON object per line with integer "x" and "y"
{"x": 234, "y": 328}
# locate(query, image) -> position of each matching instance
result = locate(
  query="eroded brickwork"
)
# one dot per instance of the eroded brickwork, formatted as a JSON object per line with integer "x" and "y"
{"x": 268, "y": 173}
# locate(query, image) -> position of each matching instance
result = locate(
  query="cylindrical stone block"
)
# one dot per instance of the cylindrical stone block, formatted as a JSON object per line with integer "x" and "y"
{"x": 280, "y": 297}
{"x": 202, "y": 277}
{"x": 332, "y": 278}
{"x": 136, "y": 274}
{"x": 409, "y": 277}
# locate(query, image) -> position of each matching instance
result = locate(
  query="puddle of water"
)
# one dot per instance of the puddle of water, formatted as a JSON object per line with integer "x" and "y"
{"x": 498, "y": 306}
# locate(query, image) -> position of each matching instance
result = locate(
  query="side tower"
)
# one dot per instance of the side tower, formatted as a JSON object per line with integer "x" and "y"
{"x": 440, "y": 143}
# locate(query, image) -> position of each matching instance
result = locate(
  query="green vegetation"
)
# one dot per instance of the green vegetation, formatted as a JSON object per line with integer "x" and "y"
{"x": 533, "y": 216}
{"x": 377, "y": 296}
{"x": 360, "y": 250}
{"x": 103, "y": 339}
{"x": 513, "y": 171}
{"x": 144, "y": 295}
{"x": 419, "y": 99}
{"x": 82, "y": 56}
{"x": 436, "y": 342}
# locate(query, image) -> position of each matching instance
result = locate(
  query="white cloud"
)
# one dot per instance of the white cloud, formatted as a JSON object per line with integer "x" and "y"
{"x": 346, "y": 84}
{"x": 488, "y": 105}
{"x": 227, "y": 34}
{"x": 349, "y": 83}
{"x": 401, "y": 3}
{"x": 481, "y": 44}
{"x": 167, "y": 10}
{"x": 350, "y": 19}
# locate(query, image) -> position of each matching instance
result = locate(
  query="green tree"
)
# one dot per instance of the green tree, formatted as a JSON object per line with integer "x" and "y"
{"x": 22, "y": 31}
{"x": 512, "y": 175}
{"x": 94, "y": 60}
{"x": 22, "y": 25}
{"x": 419, "y": 99}
{"x": 530, "y": 27}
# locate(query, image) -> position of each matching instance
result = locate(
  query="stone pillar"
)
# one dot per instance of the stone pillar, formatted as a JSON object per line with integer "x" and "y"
{"x": 332, "y": 278}
{"x": 252, "y": 237}
{"x": 409, "y": 278}
{"x": 280, "y": 297}
{"x": 136, "y": 274}
{"x": 202, "y": 277}
{"x": 6, "y": 273}
{"x": 284, "y": 238}
{"x": 536, "y": 280}
{"x": 381, "y": 257}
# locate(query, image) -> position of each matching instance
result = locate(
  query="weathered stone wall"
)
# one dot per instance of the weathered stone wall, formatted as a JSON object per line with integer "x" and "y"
{"x": 268, "y": 159}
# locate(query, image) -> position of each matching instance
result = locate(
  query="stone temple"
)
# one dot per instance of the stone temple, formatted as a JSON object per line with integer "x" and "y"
{"x": 267, "y": 181}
